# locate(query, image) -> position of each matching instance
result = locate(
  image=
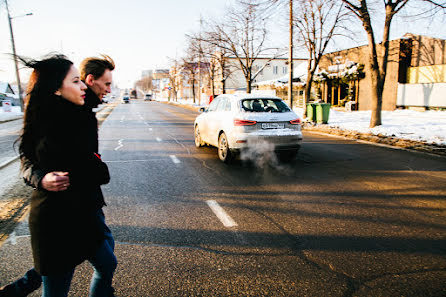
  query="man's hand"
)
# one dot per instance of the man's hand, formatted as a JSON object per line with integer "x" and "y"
{"x": 55, "y": 181}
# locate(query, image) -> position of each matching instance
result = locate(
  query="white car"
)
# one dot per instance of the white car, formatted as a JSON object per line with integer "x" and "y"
{"x": 233, "y": 123}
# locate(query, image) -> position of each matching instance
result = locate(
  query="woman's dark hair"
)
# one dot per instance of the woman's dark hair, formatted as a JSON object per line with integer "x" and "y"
{"x": 47, "y": 77}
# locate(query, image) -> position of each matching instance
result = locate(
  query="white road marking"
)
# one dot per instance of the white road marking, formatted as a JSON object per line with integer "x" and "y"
{"x": 122, "y": 118}
{"x": 12, "y": 238}
{"x": 159, "y": 139}
{"x": 119, "y": 144}
{"x": 150, "y": 129}
{"x": 221, "y": 214}
{"x": 175, "y": 159}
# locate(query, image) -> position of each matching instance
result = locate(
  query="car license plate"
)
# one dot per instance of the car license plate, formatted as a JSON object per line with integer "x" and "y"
{"x": 273, "y": 125}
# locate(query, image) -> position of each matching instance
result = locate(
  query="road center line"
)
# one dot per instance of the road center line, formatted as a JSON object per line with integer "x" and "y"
{"x": 221, "y": 214}
{"x": 175, "y": 159}
{"x": 119, "y": 144}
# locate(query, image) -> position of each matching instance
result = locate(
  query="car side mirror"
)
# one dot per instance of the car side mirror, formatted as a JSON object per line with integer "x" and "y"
{"x": 202, "y": 109}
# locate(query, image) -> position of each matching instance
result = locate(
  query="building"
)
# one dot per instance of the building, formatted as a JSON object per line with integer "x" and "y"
{"x": 7, "y": 93}
{"x": 146, "y": 73}
{"x": 192, "y": 81}
{"x": 416, "y": 75}
{"x": 275, "y": 68}
{"x": 160, "y": 82}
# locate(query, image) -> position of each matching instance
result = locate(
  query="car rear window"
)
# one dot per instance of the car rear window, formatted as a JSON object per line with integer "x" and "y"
{"x": 264, "y": 105}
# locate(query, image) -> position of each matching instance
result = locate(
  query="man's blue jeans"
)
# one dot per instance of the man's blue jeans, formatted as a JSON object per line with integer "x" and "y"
{"x": 104, "y": 263}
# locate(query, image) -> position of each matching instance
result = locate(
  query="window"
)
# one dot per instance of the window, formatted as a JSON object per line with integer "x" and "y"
{"x": 284, "y": 70}
{"x": 264, "y": 105}
{"x": 228, "y": 105}
{"x": 276, "y": 69}
{"x": 222, "y": 104}
{"x": 213, "y": 105}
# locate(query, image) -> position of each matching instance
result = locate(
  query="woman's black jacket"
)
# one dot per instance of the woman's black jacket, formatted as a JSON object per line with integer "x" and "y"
{"x": 65, "y": 228}
{"x": 32, "y": 174}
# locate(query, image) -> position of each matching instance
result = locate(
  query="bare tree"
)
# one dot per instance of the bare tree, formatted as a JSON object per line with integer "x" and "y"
{"x": 189, "y": 69}
{"x": 203, "y": 53}
{"x": 215, "y": 56}
{"x": 193, "y": 64}
{"x": 242, "y": 34}
{"x": 174, "y": 80}
{"x": 317, "y": 23}
{"x": 378, "y": 61}
{"x": 144, "y": 84}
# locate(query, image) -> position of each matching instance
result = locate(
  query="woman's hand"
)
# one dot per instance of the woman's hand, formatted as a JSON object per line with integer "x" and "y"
{"x": 55, "y": 181}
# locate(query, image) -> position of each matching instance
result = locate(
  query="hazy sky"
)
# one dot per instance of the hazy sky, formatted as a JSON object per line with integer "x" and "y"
{"x": 137, "y": 34}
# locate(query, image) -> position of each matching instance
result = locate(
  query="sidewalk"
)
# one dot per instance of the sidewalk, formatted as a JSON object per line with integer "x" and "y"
{"x": 12, "y": 115}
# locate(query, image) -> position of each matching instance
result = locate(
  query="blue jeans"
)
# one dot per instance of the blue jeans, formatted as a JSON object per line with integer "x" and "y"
{"x": 104, "y": 263}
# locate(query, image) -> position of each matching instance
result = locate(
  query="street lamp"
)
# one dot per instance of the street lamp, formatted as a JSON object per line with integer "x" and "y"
{"x": 14, "y": 53}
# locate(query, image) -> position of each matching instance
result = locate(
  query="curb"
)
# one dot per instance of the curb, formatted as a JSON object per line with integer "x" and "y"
{"x": 379, "y": 140}
{"x": 186, "y": 106}
{"x": 12, "y": 119}
{"x": 6, "y": 163}
{"x": 104, "y": 112}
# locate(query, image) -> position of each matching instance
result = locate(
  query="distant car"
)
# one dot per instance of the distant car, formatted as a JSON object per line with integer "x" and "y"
{"x": 148, "y": 97}
{"x": 236, "y": 122}
{"x": 126, "y": 99}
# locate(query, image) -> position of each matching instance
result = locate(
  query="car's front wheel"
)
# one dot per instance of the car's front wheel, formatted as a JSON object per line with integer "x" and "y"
{"x": 224, "y": 153}
{"x": 198, "y": 141}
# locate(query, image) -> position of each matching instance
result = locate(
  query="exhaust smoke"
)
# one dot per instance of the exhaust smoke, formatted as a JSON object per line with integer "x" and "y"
{"x": 261, "y": 154}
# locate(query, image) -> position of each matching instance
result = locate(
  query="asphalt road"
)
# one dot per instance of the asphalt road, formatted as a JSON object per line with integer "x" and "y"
{"x": 9, "y": 132}
{"x": 344, "y": 219}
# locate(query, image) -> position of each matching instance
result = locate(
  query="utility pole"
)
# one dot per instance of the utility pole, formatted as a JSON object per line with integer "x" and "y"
{"x": 290, "y": 59}
{"x": 15, "y": 57}
{"x": 199, "y": 63}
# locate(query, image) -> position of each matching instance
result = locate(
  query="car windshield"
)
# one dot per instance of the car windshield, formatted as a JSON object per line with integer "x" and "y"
{"x": 264, "y": 105}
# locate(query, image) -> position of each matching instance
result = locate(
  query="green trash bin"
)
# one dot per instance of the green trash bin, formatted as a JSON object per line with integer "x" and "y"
{"x": 322, "y": 112}
{"x": 311, "y": 112}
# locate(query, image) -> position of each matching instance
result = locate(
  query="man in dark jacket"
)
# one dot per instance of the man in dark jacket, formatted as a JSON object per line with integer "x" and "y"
{"x": 96, "y": 73}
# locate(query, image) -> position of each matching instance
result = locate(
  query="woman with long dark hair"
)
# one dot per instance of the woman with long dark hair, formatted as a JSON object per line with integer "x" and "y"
{"x": 64, "y": 225}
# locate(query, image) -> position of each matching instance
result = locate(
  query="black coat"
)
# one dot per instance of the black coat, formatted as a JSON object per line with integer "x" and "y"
{"x": 32, "y": 174}
{"x": 64, "y": 226}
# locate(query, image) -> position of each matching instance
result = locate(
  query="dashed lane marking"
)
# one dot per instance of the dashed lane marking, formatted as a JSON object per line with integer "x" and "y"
{"x": 175, "y": 159}
{"x": 221, "y": 214}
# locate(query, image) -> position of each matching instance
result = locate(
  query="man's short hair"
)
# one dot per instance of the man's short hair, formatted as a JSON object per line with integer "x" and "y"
{"x": 96, "y": 66}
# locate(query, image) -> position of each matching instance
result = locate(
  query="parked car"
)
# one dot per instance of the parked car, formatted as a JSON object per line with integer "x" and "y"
{"x": 126, "y": 99}
{"x": 233, "y": 123}
{"x": 148, "y": 97}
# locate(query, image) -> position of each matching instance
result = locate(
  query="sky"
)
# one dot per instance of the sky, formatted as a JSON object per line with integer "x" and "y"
{"x": 137, "y": 34}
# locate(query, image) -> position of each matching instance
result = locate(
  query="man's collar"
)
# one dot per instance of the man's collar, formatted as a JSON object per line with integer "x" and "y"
{"x": 91, "y": 99}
